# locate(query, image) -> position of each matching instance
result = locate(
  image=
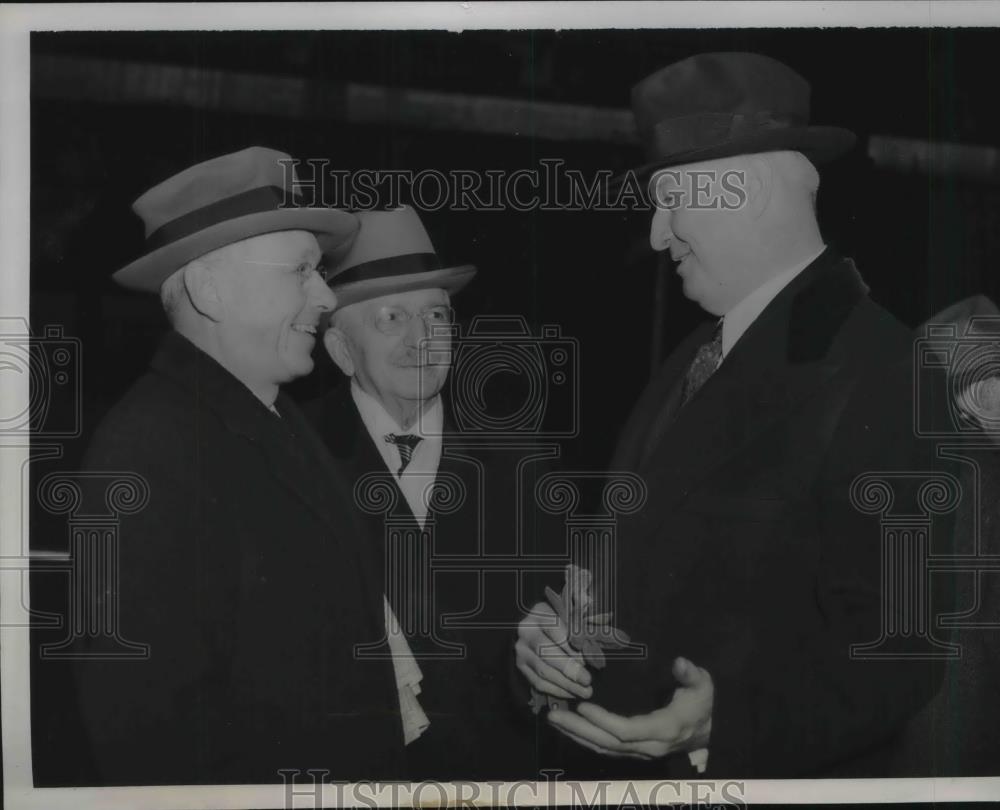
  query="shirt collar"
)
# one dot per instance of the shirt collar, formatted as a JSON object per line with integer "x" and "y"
{"x": 379, "y": 422}
{"x": 740, "y": 317}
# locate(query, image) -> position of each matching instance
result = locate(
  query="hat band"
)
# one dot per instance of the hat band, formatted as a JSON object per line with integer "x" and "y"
{"x": 255, "y": 201}
{"x": 674, "y": 136}
{"x": 404, "y": 265}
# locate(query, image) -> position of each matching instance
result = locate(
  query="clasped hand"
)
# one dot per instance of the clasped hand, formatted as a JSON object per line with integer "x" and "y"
{"x": 553, "y": 667}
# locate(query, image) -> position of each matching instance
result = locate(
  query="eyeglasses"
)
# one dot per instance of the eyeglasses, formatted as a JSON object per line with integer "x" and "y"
{"x": 394, "y": 320}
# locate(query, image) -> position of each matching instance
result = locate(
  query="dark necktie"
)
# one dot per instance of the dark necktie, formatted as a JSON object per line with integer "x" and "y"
{"x": 406, "y": 445}
{"x": 705, "y": 362}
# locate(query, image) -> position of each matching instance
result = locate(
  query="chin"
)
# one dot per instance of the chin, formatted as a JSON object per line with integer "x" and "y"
{"x": 296, "y": 367}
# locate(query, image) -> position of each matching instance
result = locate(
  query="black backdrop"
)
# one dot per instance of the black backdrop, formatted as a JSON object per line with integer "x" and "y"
{"x": 920, "y": 242}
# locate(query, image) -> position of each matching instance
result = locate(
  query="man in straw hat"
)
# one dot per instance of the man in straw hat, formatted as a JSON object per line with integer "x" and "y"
{"x": 391, "y": 336}
{"x": 242, "y": 572}
{"x": 750, "y": 574}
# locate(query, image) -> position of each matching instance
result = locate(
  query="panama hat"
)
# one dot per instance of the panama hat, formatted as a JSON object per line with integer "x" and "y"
{"x": 392, "y": 253}
{"x": 717, "y": 105}
{"x": 221, "y": 201}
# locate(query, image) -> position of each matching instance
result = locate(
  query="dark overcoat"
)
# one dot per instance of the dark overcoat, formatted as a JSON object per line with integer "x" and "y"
{"x": 752, "y": 558}
{"x": 476, "y": 730}
{"x": 243, "y": 574}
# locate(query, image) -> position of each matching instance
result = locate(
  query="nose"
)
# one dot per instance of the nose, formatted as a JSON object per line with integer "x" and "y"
{"x": 416, "y": 330}
{"x": 320, "y": 296}
{"x": 660, "y": 232}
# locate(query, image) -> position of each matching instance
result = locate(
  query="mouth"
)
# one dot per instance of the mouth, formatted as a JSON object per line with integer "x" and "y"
{"x": 305, "y": 328}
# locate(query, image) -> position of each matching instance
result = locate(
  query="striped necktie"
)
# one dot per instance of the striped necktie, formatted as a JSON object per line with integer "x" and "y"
{"x": 405, "y": 444}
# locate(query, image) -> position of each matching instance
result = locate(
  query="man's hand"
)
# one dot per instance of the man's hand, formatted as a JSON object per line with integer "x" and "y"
{"x": 684, "y": 724}
{"x": 545, "y": 657}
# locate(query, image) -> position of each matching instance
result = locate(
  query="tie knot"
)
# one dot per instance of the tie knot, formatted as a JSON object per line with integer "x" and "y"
{"x": 403, "y": 440}
{"x": 405, "y": 444}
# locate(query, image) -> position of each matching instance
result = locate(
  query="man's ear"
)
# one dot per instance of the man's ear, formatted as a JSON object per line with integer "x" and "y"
{"x": 335, "y": 342}
{"x": 203, "y": 290}
{"x": 759, "y": 183}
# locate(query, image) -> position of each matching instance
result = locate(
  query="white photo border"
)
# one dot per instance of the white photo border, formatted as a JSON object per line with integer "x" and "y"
{"x": 16, "y": 24}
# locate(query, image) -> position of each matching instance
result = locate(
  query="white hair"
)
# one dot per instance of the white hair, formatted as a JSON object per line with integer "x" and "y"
{"x": 798, "y": 172}
{"x": 173, "y": 292}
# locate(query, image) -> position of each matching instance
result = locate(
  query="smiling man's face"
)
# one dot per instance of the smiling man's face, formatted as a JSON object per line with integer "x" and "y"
{"x": 272, "y": 298}
{"x": 701, "y": 220}
{"x": 394, "y": 366}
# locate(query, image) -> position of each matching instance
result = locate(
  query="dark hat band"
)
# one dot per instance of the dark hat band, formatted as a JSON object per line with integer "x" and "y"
{"x": 405, "y": 265}
{"x": 674, "y": 136}
{"x": 254, "y": 201}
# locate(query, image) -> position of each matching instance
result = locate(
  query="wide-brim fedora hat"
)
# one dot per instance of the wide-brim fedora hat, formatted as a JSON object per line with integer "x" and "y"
{"x": 221, "y": 201}
{"x": 392, "y": 253}
{"x": 716, "y": 105}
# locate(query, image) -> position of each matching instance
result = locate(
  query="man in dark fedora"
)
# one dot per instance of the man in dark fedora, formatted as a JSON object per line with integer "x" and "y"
{"x": 750, "y": 574}
{"x": 242, "y": 572}
{"x": 391, "y": 337}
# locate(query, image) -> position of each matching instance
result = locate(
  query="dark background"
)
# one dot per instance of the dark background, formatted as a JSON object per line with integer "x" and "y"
{"x": 921, "y": 242}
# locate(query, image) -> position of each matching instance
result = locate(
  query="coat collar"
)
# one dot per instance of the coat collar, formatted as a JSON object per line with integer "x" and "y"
{"x": 785, "y": 355}
{"x": 293, "y": 452}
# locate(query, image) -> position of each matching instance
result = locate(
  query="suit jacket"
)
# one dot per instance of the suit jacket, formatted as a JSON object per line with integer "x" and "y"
{"x": 475, "y": 730}
{"x": 750, "y": 559}
{"x": 243, "y": 573}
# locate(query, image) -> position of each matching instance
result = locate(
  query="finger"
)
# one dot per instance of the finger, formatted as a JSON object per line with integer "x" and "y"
{"x": 581, "y": 727}
{"x": 550, "y": 673}
{"x": 544, "y": 686}
{"x": 543, "y": 623}
{"x": 627, "y": 729}
{"x": 557, "y": 633}
{"x": 688, "y": 674}
{"x": 651, "y": 749}
{"x": 574, "y": 726}
{"x": 587, "y": 744}
{"x": 571, "y": 668}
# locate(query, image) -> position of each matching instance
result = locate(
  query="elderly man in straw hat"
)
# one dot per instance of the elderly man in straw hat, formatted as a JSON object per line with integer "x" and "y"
{"x": 242, "y": 572}
{"x": 391, "y": 336}
{"x": 750, "y": 574}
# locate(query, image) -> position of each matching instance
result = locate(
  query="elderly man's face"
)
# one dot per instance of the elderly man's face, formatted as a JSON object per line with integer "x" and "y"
{"x": 378, "y": 342}
{"x": 272, "y": 299}
{"x": 699, "y": 218}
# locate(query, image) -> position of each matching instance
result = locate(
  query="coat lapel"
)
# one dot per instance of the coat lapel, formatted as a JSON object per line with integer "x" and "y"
{"x": 654, "y": 409}
{"x": 283, "y": 441}
{"x": 778, "y": 363}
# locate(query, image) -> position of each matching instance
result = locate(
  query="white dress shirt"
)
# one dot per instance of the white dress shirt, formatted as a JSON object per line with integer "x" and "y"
{"x": 415, "y": 482}
{"x": 739, "y": 318}
{"x": 418, "y": 477}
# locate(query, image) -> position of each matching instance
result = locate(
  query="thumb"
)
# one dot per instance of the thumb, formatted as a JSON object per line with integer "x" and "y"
{"x": 687, "y": 674}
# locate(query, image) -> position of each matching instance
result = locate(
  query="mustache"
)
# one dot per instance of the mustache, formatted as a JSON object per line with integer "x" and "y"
{"x": 418, "y": 359}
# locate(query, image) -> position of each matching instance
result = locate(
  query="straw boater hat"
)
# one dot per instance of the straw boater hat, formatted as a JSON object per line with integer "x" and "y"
{"x": 716, "y": 105}
{"x": 392, "y": 253}
{"x": 221, "y": 201}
